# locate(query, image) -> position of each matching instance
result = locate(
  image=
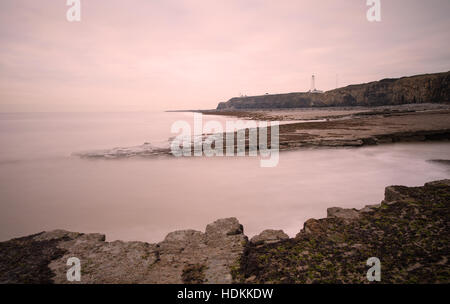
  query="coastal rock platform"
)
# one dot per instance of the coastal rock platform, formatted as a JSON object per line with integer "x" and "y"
{"x": 408, "y": 231}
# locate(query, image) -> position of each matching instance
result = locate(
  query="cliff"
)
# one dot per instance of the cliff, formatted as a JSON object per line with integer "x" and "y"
{"x": 428, "y": 88}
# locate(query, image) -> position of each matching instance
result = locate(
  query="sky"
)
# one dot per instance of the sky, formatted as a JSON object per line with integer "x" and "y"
{"x": 153, "y": 55}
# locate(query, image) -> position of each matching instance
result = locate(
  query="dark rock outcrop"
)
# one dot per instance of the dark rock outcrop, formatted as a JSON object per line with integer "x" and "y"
{"x": 428, "y": 88}
{"x": 25, "y": 260}
{"x": 409, "y": 232}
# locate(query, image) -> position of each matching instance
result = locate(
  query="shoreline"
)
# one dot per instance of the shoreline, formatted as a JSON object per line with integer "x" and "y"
{"x": 408, "y": 231}
{"x": 354, "y": 127}
{"x": 340, "y": 127}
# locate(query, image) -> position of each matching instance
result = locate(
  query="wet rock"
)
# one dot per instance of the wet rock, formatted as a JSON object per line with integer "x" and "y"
{"x": 341, "y": 143}
{"x": 369, "y": 141}
{"x": 441, "y": 161}
{"x": 384, "y": 140}
{"x": 145, "y": 150}
{"x": 269, "y": 237}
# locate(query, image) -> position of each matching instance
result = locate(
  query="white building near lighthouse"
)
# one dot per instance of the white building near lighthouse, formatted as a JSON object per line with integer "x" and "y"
{"x": 313, "y": 86}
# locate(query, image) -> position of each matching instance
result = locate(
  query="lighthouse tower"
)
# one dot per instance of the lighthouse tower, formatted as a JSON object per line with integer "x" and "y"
{"x": 313, "y": 86}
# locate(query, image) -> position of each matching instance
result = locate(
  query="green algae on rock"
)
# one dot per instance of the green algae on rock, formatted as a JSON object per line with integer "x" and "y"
{"x": 409, "y": 232}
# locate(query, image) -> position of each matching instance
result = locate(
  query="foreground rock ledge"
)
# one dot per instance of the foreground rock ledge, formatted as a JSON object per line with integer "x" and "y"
{"x": 409, "y": 232}
{"x": 186, "y": 256}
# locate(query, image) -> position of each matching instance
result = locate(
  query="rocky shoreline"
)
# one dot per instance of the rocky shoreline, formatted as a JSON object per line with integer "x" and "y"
{"x": 354, "y": 128}
{"x": 338, "y": 127}
{"x": 408, "y": 231}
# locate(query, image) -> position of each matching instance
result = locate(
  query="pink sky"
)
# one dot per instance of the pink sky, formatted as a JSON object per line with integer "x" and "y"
{"x": 188, "y": 54}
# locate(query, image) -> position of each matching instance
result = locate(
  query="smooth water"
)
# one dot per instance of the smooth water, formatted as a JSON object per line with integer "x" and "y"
{"x": 43, "y": 187}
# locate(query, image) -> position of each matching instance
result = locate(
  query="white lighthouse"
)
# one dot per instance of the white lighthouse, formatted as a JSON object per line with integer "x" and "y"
{"x": 313, "y": 86}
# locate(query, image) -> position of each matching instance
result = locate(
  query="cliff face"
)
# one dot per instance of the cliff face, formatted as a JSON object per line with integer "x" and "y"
{"x": 429, "y": 88}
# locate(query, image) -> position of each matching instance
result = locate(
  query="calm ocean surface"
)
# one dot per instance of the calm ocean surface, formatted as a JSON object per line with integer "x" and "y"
{"x": 43, "y": 187}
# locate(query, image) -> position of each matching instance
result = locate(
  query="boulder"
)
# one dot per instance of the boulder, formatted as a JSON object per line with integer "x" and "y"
{"x": 370, "y": 141}
{"x": 342, "y": 213}
{"x": 178, "y": 241}
{"x": 227, "y": 226}
{"x": 313, "y": 226}
{"x": 269, "y": 236}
